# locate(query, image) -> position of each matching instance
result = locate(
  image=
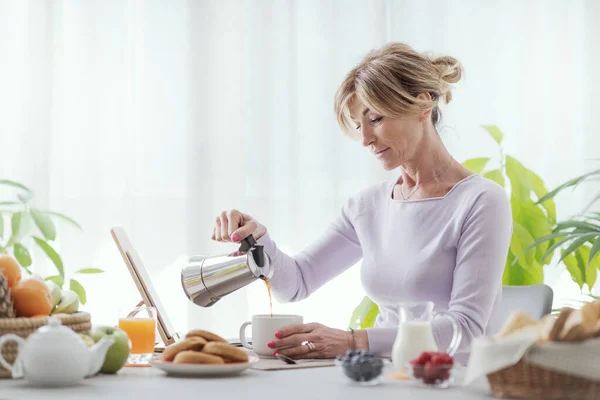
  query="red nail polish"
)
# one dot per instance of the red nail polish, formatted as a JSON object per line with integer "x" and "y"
{"x": 235, "y": 238}
{"x": 275, "y": 354}
{"x": 278, "y": 334}
{"x": 271, "y": 345}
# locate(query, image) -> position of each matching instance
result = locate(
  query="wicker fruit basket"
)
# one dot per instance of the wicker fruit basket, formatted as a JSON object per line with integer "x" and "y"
{"x": 80, "y": 322}
{"x": 528, "y": 381}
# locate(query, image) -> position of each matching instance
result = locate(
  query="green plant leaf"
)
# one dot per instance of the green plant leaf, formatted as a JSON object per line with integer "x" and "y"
{"x": 494, "y": 132}
{"x": 52, "y": 254}
{"x": 570, "y": 183}
{"x": 78, "y": 288}
{"x": 9, "y": 203}
{"x": 15, "y": 184}
{"x": 520, "y": 184}
{"x": 90, "y": 271}
{"x": 570, "y": 262}
{"x": 520, "y": 240}
{"x": 44, "y": 223}
{"x": 22, "y": 255}
{"x": 63, "y": 217}
{"x": 537, "y": 184}
{"x": 594, "y": 252}
{"x": 364, "y": 314}
{"x": 56, "y": 279}
{"x": 576, "y": 244}
{"x": 496, "y": 176}
{"x": 580, "y": 226}
{"x": 16, "y": 224}
{"x": 566, "y": 236}
{"x": 515, "y": 274}
{"x": 583, "y": 255}
{"x": 538, "y": 225}
{"x": 476, "y": 165}
{"x": 591, "y": 202}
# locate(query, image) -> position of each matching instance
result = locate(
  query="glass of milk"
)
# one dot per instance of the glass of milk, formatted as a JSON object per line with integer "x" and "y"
{"x": 415, "y": 334}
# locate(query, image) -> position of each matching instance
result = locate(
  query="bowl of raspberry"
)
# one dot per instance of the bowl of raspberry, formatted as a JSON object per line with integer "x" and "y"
{"x": 433, "y": 369}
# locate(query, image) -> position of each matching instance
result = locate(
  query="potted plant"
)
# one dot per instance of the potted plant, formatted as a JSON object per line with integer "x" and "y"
{"x": 577, "y": 238}
{"x": 22, "y": 226}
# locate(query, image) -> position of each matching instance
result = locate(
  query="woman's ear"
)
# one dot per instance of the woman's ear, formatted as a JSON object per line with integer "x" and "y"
{"x": 425, "y": 115}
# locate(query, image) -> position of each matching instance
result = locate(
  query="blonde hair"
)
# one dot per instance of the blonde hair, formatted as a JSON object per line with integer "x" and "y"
{"x": 388, "y": 81}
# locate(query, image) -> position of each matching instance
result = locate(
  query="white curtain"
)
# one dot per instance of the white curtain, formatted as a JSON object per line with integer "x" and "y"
{"x": 157, "y": 115}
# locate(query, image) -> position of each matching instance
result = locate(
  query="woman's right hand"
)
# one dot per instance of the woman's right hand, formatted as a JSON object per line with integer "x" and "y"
{"x": 232, "y": 225}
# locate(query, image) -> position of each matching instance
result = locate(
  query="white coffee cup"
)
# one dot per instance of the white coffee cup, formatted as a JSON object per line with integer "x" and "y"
{"x": 264, "y": 327}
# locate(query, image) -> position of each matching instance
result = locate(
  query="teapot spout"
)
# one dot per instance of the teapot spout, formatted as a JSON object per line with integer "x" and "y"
{"x": 98, "y": 354}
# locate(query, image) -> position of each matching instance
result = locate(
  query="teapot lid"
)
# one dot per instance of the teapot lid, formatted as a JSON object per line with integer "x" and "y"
{"x": 53, "y": 328}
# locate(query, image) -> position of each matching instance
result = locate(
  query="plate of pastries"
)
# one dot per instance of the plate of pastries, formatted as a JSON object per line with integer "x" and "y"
{"x": 204, "y": 353}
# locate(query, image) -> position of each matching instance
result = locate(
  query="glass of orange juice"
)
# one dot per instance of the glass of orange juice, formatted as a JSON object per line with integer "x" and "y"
{"x": 140, "y": 325}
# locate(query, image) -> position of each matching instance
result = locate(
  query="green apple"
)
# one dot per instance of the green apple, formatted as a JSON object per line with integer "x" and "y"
{"x": 55, "y": 292}
{"x": 117, "y": 353}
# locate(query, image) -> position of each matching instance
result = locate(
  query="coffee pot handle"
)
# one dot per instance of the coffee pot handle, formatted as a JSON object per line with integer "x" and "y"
{"x": 247, "y": 243}
{"x": 456, "y": 332}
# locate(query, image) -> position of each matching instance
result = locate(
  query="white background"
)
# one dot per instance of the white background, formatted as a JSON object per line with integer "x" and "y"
{"x": 156, "y": 115}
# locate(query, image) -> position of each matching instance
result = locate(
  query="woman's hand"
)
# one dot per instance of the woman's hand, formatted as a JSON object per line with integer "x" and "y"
{"x": 328, "y": 342}
{"x": 233, "y": 225}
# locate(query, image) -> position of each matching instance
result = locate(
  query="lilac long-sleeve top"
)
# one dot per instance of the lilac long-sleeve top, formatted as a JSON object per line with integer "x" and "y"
{"x": 449, "y": 250}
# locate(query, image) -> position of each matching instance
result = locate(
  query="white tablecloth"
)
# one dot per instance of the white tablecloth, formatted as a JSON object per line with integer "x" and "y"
{"x": 303, "y": 384}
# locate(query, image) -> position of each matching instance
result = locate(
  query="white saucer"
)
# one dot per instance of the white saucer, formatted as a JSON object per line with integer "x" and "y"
{"x": 204, "y": 370}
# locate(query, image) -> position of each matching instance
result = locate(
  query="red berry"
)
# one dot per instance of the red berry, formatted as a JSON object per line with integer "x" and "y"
{"x": 429, "y": 381}
{"x": 424, "y": 358}
{"x": 438, "y": 359}
{"x": 418, "y": 372}
{"x": 431, "y": 371}
{"x": 444, "y": 374}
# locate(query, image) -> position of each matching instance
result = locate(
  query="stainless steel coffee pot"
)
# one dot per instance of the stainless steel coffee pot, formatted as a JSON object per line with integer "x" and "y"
{"x": 207, "y": 279}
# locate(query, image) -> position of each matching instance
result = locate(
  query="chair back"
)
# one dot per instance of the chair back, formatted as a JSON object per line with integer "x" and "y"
{"x": 535, "y": 300}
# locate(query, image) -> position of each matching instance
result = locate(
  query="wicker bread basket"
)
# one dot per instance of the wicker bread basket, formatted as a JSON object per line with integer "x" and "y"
{"x": 79, "y": 322}
{"x": 528, "y": 381}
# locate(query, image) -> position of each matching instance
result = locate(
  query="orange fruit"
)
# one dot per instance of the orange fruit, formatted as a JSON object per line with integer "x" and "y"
{"x": 31, "y": 297}
{"x": 11, "y": 269}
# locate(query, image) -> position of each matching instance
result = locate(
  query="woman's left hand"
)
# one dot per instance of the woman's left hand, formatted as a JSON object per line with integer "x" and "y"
{"x": 328, "y": 342}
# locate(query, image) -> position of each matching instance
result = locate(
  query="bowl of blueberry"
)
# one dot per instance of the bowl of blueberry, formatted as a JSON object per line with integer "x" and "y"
{"x": 361, "y": 366}
{"x": 432, "y": 369}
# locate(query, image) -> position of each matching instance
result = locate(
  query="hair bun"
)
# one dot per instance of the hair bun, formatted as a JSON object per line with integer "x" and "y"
{"x": 450, "y": 71}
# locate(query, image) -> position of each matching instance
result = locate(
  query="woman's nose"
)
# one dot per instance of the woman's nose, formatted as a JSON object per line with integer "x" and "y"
{"x": 366, "y": 135}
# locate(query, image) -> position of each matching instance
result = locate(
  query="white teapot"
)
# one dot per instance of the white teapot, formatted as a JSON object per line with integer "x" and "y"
{"x": 55, "y": 355}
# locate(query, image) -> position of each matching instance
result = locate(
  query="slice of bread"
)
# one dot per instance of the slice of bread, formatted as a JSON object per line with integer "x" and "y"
{"x": 560, "y": 323}
{"x": 517, "y": 321}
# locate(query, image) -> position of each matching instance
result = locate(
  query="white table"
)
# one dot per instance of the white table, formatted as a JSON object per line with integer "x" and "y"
{"x": 303, "y": 384}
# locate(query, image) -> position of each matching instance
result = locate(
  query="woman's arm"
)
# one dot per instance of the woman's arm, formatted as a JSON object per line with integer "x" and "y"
{"x": 480, "y": 260}
{"x": 337, "y": 249}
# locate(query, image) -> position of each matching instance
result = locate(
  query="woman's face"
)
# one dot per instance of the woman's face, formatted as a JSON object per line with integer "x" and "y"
{"x": 394, "y": 141}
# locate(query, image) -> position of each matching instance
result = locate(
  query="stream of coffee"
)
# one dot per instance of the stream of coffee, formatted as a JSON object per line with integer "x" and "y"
{"x": 270, "y": 297}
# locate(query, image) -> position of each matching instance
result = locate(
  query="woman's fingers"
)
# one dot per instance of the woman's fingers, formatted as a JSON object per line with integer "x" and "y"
{"x": 290, "y": 341}
{"x": 235, "y": 220}
{"x": 235, "y": 226}
{"x": 295, "y": 329}
{"x": 242, "y": 233}
{"x": 224, "y": 226}
{"x": 217, "y": 229}
{"x": 302, "y": 351}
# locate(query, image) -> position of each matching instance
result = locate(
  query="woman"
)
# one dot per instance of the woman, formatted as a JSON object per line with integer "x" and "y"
{"x": 438, "y": 232}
